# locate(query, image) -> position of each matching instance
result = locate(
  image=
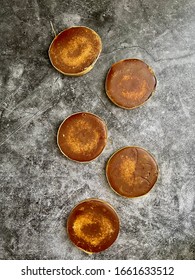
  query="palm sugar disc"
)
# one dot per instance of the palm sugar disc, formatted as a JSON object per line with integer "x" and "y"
{"x": 75, "y": 50}
{"x": 130, "y": 83}
{"x": 131, "y": 172}
{"x": 82, "y": 136}
{"x": 93, "y": 225}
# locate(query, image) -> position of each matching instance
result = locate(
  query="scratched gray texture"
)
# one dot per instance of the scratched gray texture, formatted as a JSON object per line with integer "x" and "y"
{"x": 39, "y": 186}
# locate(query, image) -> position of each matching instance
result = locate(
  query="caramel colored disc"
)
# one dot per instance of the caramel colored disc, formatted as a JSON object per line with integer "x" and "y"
{"x": 93, "y": 225}
{"x": 132, "y": 172}
{"x": 82, "y": 136}
{"x": 130, "y": 83}
{"x": 75, "y": 50}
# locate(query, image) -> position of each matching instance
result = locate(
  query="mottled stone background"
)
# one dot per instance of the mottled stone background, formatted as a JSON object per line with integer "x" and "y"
{"x": 39, "y": 186}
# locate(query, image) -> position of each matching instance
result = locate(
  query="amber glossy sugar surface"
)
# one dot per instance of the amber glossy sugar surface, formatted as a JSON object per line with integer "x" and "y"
{"x": 82, "y": 136}
{"x": 93, "y": 225}
{"x": 130, "y": 83}
{"x": 132, "y": 172}
{"x": 74, "y": 50}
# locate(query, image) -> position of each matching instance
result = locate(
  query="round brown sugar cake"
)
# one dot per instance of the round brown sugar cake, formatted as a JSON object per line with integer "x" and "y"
{"x": 82, "y": 136}
{"x": 93, "y": 225}
{"x": 129, "y": 83}
{"x": 131, "y": 172}
{"x": 75, "y": 50}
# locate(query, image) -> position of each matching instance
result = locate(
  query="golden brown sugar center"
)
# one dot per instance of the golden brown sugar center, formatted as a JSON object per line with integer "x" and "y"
{"x": 82, "y": 137}
{"x": 93, "y": 229}
{"x": 132, "y": 87}
{"x": 132, "y": 172}
{"x": 127, "y": 169}
{"x": 76, "y": 51}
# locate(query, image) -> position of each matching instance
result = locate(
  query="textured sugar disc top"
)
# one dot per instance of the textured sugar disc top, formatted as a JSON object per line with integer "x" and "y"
{"x": 82, "y": 136}
{"x": 130, "y": 83}
{"x": 93, "y": 225}
{"x": 75, "y": 50}
{"x": 131, "y": 172}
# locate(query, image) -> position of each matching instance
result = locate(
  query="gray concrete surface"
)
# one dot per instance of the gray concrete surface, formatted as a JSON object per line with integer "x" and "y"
{"x": 39, "y": 186}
